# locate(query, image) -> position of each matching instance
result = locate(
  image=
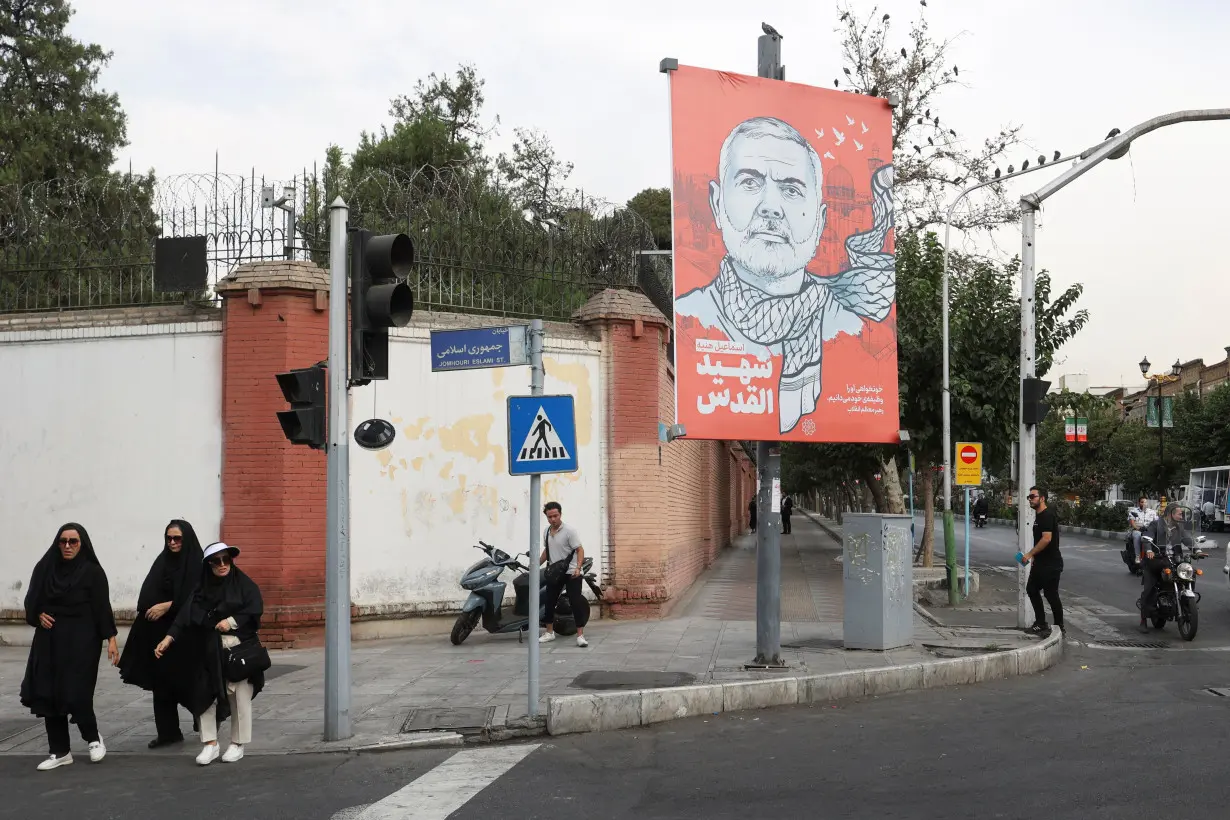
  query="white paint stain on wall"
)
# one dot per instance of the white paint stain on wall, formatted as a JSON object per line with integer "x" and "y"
{"x": 412, "y": 528}
{"x": 117, "y": 428}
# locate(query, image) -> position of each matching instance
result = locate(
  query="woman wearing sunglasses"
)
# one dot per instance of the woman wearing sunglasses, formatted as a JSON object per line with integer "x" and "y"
{"x": 223, "y": 614}
{"x": 68, "y": 605}
{"x": 168, "y": 586}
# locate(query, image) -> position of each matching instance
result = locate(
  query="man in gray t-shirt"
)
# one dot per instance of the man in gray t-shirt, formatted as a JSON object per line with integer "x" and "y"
{"x": 562, "y": 541}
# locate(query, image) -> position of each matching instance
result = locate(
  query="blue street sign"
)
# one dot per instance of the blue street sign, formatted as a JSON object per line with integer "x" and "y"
{"x": 478, "y": 347}
{"x": 542, "y": 435}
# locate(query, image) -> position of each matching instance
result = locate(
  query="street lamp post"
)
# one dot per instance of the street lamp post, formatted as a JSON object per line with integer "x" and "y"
{"x": 1114, "y": 147}
{"x": 1176, "y": 370}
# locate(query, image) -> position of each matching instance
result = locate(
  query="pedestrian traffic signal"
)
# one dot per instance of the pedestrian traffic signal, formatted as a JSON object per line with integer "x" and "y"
{"x": 379, "y": 299}
{"x": 1033, "y": 406}
{"x": 304, "y": 422}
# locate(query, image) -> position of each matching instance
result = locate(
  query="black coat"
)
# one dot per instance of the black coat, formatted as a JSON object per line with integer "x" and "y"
{"x": 173, "y": 577}
{"x": 194, "y": 629}
{"x": 62, "y": 670}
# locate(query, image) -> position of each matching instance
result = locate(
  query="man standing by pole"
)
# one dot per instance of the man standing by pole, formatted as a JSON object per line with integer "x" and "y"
{"x": 1047, "y": 564}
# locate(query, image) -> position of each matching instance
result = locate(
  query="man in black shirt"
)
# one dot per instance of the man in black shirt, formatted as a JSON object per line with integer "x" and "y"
{"x": 1048, "y": 563}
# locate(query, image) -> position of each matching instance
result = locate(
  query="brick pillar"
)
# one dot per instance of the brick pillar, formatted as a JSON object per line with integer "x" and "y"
{"x": 275, "y": 318}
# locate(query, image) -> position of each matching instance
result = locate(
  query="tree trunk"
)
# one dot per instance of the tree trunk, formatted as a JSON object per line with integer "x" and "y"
{"x": 928, "y": 496}
{"x": 876, "y": 488}
{"x": 892, "y": 487}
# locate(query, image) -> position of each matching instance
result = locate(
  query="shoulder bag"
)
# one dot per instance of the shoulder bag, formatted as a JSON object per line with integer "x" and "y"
{"x": 247, "y": 659}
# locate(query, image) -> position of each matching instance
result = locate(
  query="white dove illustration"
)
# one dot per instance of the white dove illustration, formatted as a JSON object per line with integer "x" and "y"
{"x": 839, "y": 136}
{"x": 858, "y": 145}
{"x": 820, "y": 133}
{"x": 849, "y": 120}
{"x": 829, "y": 155}
{"x": 865, "y": 129}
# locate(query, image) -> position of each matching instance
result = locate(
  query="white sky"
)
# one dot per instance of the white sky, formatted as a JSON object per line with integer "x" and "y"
{"x": 268, "y": 84}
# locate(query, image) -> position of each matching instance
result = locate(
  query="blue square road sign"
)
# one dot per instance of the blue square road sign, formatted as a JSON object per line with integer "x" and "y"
{"x": 542, "y": 435}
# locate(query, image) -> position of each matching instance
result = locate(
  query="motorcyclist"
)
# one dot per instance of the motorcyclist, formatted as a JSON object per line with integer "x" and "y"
{"x": 980, "y": 506}
{"x": 1139, "y": 518}
{"x": 1168, "y": 533}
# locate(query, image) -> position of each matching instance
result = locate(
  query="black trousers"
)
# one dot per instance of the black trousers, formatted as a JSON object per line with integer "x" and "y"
{"x": 166, "y": 717}
{"x": 57, "y": 731}
{"x": 1044, "y": 581}
{"x": 786, "y": 524}
{"x": 579, "y": 610}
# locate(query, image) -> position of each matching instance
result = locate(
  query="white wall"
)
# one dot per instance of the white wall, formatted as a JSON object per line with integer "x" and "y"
{"x": 419, "y": 506}
{"x": 117, "y": 428}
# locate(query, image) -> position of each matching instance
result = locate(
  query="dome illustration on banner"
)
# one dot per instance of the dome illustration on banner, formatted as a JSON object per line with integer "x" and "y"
{"x": 543, "y": 442}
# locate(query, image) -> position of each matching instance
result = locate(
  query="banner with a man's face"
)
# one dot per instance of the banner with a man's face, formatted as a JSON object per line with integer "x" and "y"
{"x": 785, "y": 316}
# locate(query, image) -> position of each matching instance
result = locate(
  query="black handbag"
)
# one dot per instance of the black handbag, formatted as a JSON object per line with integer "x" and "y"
{"x": 245, "y": 660}
{"x": 555, "y": 572}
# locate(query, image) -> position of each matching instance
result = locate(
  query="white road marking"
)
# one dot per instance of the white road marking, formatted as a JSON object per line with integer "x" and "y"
{"x": 449, "y": 786}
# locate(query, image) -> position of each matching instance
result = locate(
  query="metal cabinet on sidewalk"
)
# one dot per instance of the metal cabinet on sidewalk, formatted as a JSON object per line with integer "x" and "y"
{"x": 877, "y": 581}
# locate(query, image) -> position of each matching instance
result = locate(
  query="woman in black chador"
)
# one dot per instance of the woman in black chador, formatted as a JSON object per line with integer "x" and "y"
{"x": 224, "y": 611}
{"x": 167, "y": 588}
{"x": 67, "y": 603}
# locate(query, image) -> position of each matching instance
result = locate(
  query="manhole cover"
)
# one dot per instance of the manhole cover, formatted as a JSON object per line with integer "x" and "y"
{"x": 816, "y": 643}
{"x": 278, "y": 670}
{"x": 596, "y": 679}
{"x": 465, "y": 720}
{"x": 1133, "y": 644}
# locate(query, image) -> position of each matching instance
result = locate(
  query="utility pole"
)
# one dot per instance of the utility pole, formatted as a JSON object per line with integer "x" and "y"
{"x": 536, "y": 387}
{"x": 769, "y": 469}
{"x": 337, "y": 545}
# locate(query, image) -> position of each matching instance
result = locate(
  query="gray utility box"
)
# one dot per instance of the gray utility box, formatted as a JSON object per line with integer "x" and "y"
{"x": 877, "y": 581}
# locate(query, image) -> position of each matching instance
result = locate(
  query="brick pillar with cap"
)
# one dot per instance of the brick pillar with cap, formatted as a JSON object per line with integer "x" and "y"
{"x": 275, "y": 318}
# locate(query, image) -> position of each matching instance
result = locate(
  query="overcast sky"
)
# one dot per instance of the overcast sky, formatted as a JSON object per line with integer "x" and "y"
{"x": 268, "y": 84}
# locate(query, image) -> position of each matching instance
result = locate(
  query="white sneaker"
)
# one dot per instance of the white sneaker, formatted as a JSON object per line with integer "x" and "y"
{"x": 54, "y": 762}
{"x": 97, "y": 750}
{"x": 581, "y": 642}
{"x": 234, "y": 753}
{"x": 546, "y": 637}
{"x": 208, "y": 755}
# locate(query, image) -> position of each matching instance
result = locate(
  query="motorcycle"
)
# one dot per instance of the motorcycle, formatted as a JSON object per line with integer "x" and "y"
{"x": 485, "y": 603}
{"x": 980, "y": 520}
{"x": 1177, "y": 599}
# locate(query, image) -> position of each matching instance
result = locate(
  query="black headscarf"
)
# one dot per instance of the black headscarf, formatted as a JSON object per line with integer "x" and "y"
{"x": 174, "y": 571}
{"x": 54, "y": 577}
{"x": 216, "y": 598}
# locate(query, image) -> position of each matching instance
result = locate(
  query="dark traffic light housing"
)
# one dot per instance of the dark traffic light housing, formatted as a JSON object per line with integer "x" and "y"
{"x": 304, "y": 422}
{"x": 379, "y": 299}
{"x": 1033, "y": 405}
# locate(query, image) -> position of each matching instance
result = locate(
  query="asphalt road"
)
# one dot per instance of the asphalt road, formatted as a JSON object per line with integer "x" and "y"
{"x": 1094, "y": 571}
{"x": 1105, "y": 734}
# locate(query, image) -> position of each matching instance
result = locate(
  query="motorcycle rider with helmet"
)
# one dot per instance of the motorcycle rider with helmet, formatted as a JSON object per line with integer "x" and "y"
{"x": 1168, "y": 533}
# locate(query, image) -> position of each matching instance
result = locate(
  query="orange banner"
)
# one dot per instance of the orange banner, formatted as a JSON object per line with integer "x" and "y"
{"x": 785, "y": 315}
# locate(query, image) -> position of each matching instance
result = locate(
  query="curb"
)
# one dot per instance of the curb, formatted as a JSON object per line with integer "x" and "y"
{"x": 570, "y": 714}
{"x": 1107, "y": 534}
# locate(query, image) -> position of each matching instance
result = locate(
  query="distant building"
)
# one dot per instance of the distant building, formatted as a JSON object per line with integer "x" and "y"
{"x": 1074, "y": 382}
{"x": 1194, "y": 376}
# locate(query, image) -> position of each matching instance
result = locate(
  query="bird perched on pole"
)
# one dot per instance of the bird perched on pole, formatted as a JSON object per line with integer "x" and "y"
{"x": 769, "y": 30}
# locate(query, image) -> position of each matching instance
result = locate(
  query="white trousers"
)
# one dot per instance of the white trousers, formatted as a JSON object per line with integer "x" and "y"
{"x": 240, "y": 697}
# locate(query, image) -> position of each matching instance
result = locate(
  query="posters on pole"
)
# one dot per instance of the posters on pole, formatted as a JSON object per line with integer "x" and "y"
{"x": 784, "y": 278}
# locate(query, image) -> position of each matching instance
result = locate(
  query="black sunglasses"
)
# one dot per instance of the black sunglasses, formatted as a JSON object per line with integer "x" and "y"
{"x": 219, "y": 560}
{"x": 174, "y": 539}
{"x": 69, "y": 542}
{"x": 1032, "y": 496}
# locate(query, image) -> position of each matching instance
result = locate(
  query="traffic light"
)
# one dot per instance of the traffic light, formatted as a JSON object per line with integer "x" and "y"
{"x": 379, "y": 299}
{"x": 304, "y": 422}
{"x": 1033, "y": 406}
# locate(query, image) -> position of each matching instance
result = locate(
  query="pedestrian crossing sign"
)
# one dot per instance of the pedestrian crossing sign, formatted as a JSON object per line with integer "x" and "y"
{"x": 542, "y": 435}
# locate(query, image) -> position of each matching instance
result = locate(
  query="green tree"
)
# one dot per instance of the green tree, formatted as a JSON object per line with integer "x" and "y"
{"x": 55, "y": 122}
{"x": 654, "y": 206}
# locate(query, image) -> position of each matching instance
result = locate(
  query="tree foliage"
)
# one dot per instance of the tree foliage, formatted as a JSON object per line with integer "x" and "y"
{"x": 654, "y": 206}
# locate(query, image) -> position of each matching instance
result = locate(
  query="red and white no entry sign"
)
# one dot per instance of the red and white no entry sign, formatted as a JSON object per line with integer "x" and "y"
{"x": 969, "y": 454}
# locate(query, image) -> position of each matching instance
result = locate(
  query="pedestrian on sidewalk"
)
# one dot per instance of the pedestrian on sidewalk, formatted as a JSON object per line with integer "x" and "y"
{"x": 69, "y": 605}
{"x": 224, "y": 613}
{"x": 751, "y": 514}
{"x": 564, "y": 555}
{"x": 787, "y": 509}
{"x": 1048, "y": 564}
{"x": 168, "y": 586}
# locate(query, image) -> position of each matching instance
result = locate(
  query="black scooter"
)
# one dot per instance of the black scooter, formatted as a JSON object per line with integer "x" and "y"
{"x": 486, "y": 600}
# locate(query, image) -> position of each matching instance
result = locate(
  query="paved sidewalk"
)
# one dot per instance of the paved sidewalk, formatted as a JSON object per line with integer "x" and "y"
{"x": 405, "y": 688}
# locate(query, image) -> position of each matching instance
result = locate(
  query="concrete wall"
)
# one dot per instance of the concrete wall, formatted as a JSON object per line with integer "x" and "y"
{"x": 110, "y": 419}
{"x": 419, "y": 506}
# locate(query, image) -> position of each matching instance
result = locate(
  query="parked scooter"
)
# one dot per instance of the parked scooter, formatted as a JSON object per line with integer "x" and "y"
{"x": 1177, "y": 599}
{"x": 486, "y": 601}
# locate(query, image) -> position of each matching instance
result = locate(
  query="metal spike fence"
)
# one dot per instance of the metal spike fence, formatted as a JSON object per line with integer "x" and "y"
{"x": 90, "y": 243}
